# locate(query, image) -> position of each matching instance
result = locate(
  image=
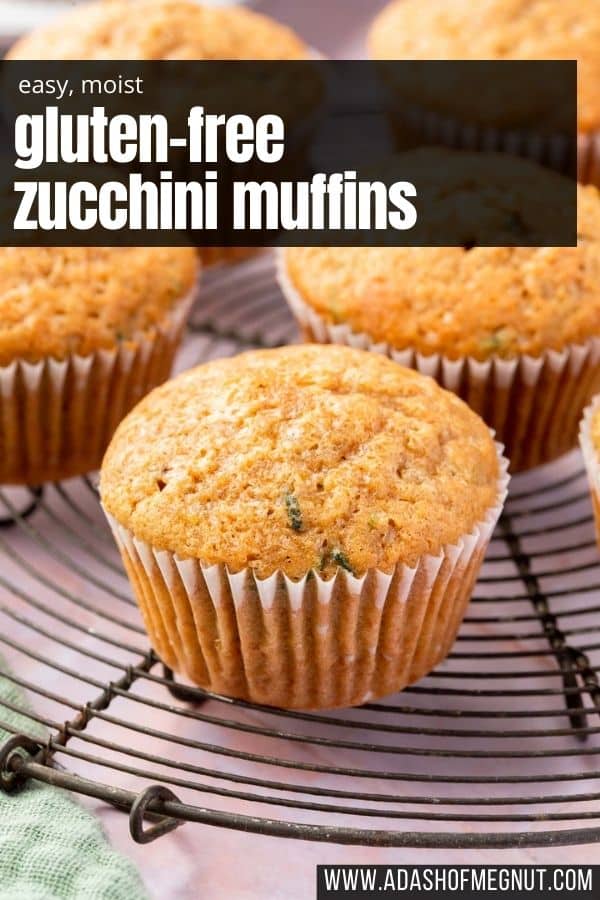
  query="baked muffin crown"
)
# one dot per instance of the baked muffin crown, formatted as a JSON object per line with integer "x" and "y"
{"x": 472, "y": 301}
{"x": 160, "y": 29}
{"x": 301, "y": 458}
{"x": 55, "y": 302}
{"x": 498, "y": 29}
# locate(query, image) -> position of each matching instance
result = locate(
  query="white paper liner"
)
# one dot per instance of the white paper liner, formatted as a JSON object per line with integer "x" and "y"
{"x": 312, "y": 643}
{"x": 436, "y": 128}
{"x": 552, "y": 150}
{"x": 591, "y": 458}
{"x": 588, "y": 158}
{"x": 533, "y": 403}
{"x": 58, "y": 416}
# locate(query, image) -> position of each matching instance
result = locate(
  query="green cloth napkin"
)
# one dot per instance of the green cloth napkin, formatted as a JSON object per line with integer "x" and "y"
{"x": 50, "y": 847}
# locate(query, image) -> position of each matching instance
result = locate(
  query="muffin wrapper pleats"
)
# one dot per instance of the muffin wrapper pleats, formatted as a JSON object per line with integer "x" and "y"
{"x": 591, "y": 459}
{"x": 429, "y": 128}
{"x": 312, "y": 643}
{"x": 588, "y": 158}
{"x": 533, "y": 404}
{"x": 58, "y": 416}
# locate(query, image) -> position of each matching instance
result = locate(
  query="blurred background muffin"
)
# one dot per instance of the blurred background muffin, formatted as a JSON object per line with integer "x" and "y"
{"x": 160, "y": 29}
{"x": 84, "y": 334}
{"x": 498, "y": 30}
{"x": 302, "y": 526}
{"x": 514, "y": 331}
{"x": 174, "y": 30}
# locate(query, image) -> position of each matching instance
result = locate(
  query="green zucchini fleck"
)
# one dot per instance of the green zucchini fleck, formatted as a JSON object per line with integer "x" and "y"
{"x": 497, "y": 340}
{"x": 293, "y": 511}
{"x": 340, "y": 559}
{"x": 376, "y": 520}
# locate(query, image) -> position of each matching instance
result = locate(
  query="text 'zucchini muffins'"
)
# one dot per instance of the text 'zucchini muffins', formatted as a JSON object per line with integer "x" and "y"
{"x": 302, "y": 527}
{"x": 513, "y": 331}
{"x": 167, "y": 30}
{"x": 84, "y": 334}
{"x": 498, "y": 30}
{"x": 589, "y": 439}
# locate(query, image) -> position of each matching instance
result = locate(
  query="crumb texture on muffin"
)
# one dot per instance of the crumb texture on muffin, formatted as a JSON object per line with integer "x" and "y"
{"x": 55, "y": 302}
{"x": 498, "y": 29}
{"x": 160, "y": 29}
{"x": 299, "y": 458}
{"x": 478, "y": 302}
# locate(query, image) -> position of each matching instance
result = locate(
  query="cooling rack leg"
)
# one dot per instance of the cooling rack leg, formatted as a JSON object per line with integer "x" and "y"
{"x": 12, "y": 756}
{"x": 182, "y": 692}
{"x": 139, "y": 811}
{"x": 19, "y": 757}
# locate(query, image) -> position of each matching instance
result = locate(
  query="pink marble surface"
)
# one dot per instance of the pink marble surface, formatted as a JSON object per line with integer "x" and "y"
{"x": 227, "y": 865}
{"x": 217, "y": 864}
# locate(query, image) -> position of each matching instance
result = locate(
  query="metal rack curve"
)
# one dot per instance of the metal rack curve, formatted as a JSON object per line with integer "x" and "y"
{"x": 498, "y": 748}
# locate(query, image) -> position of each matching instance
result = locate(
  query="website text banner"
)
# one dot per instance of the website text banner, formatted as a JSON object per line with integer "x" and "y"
{"x": 465, "y": 882}
{"x": 297, "y": 153}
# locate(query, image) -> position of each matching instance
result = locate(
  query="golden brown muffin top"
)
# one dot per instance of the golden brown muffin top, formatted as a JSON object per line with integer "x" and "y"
{"x": 58, "y": 301}
{"x": 497, "y": 29}
{"x": 479, "y": 302}
{"x": 301, "y": 457}
{"x": 160, "y": 29}
{"x": 481, "y": 198}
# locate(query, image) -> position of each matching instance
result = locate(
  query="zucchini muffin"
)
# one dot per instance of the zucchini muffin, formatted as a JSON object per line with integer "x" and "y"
{"x": 173, "y": 30}
{"x": 514, "y": 331}
{"x": 498, "y": 30}
{"x": 589, "y": 439}
{"x": 302, "y": 527}
{"x": 84, "y": 334}
{"x": 160, "y": 29}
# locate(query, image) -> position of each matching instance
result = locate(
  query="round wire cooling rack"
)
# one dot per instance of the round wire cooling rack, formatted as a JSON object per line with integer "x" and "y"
{"x": 499, "y": 747}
